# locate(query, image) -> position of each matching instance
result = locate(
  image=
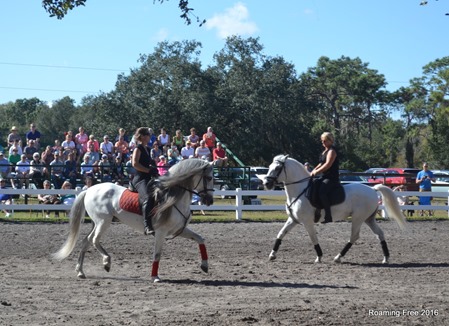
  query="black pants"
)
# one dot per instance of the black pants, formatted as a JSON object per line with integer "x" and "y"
{"x": 145, "y": 189}
{"x": 327, "y": 185}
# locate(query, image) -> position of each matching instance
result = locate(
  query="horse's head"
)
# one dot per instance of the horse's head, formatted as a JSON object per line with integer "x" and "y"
{"x": 275, "y": 170}
{"x": 205, "y": 185}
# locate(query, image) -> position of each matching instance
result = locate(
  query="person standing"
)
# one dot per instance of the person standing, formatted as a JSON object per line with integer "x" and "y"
{"x": 328, "y": 169}
{"x": 146, "y": 171}
{"x": 424, "y": 178}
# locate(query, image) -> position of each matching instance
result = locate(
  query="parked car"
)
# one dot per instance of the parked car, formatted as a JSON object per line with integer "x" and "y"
{"x": 347, "y": 177}
{"x": 397, "y": 176}
{"x": 441, "y": 184}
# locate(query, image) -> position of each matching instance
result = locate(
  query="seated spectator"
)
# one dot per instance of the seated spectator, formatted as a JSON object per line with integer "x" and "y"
{"x": 94, "y": 157}
{"x": 17, "y": 145}
{"x": 187, "y": 150}
{"x": 14, "y": 137}
{"x": 162, "y": 165}
{"x": 219, "y": 156}
{"x": 23, "y": 171}
{"x": 57, "y": 170}
{"x": 130, "y": 171}
{"x": 121, "y": 147}
{"x": 194, "y": 138}
{"x": 67, "y": 199}
{"x": 175, "y": 153}
{"x": 164, "y": 138}
{"x": 155, "y": 152}
{"x": 202, "y": 150}
{"x": 30, "y": 149}
{"x": 5, "y": 199}
{"x": 37, "y": 171}
{"x": 13, "y": 158}
{"x": 70, "y": 169}
{"x": 88, "y": 182}
{"x": 68, "y": 146}
{"x": 81, "y": 139}
{"x": 87, "y": 169}
{"x": 57, "y": 147}
{"x": 118, "y": 171}
{"x": 171, "y": 157}
{"x": 178, "y": 140}
{"x": 94, "y": 142}
{"x": 34, "y": 135}
{"x": 210, "y": 139}
{"x": 105, "y": 168}
{"x": 47, "y": 156}
{"x": 121, "y": 133}
{"x": 153, "y": 138}
{"x": 5, "y": 167}
{"x": 49, "y": 199}
{"x": 107, "y": 148}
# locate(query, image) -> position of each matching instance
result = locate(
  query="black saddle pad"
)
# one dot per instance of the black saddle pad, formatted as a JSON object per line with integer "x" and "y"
{"x": 336, "y": 195}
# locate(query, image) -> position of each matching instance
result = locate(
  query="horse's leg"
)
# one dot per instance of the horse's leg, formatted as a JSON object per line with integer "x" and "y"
{"x": 95, "y": 236}
{"x": 84, "y": 246}
{"x": 355, "y": 234}
{"x": 310, "y": 228}
{"x": 189, "y": 234}
{"x": 371, "y": 222}
{"x": 159, "y": 239}
{"x": 289, "y": 224}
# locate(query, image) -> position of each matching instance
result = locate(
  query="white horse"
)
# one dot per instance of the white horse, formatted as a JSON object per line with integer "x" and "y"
{"x": 361, "y": 203}
{"x": 174, "y": 192}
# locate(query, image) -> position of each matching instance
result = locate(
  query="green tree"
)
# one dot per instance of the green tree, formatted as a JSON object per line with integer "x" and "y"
{"x": 60, "y": 8}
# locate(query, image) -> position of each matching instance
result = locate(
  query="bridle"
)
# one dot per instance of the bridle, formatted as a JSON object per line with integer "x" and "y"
{"x": 279, "y": 169}
{"x": 205, "y": 179}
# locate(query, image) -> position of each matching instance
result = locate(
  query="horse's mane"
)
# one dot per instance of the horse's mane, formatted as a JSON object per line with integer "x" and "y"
{"x": 173, "y": 184}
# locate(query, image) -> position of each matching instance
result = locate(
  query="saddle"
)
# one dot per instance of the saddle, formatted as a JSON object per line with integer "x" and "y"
{"x": 129, "y": 201}
{"x": 336, "y": 196}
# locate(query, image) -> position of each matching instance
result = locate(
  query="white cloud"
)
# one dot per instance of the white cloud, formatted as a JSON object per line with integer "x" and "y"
{"x": 234, "y": 21}
{"x": 161, "y": 35}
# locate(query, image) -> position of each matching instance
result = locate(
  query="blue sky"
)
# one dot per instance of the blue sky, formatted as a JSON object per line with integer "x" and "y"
{"x": 82, "y": 54}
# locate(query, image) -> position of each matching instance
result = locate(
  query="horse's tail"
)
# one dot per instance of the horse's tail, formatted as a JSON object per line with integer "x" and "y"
{"x": 76, "y": 217}
{"x": 391, "y": 204}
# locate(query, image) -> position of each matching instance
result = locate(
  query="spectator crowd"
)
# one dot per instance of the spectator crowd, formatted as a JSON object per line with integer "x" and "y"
{"x": 82, "y": 158}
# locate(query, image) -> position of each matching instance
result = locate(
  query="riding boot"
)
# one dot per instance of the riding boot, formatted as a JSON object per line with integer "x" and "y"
{"x": 327, "y": 210}
{"x": 317, "y": 215}
{"x": 327, "y": 215}
{"x": 147, "y": 218}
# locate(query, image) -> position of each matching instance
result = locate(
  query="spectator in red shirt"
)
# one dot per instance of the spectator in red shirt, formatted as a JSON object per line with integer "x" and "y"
{"x": 219, "y": 156}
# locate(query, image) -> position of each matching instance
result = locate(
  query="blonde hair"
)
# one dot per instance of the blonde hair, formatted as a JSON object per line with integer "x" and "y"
{"x": 328, "y": 136}
{"x": 66, "y": 183}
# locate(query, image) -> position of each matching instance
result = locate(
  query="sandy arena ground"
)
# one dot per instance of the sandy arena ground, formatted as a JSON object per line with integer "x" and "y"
{"x": 242, "y": 286}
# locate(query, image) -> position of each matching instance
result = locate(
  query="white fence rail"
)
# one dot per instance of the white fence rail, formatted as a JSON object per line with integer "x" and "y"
{"x": 238, "y": 206}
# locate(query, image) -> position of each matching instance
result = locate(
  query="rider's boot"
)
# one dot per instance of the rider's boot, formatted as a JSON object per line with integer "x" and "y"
{"x": 317, "y": 215}
{"x": 147, "y": 218}
{"x": 327, "y": 210}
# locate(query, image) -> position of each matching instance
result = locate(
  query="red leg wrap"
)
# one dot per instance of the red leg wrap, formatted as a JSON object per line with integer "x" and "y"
{"x": 203, "y": 251}
{"x": 155, "y": 269}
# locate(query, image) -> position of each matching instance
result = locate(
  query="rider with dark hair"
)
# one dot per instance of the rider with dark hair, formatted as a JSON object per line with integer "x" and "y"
{"x": 146, "y": 171}
{"x": 328, "y": 168}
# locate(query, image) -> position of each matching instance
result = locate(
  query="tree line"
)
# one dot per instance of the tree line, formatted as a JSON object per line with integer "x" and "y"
{"x": 260, "y": 106}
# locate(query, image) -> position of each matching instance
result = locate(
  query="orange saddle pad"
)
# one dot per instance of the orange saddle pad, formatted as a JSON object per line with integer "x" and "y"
{"x": 130, "y": 202}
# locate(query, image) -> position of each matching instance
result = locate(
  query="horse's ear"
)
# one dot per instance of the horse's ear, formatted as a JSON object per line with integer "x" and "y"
{"x": 285, "y": 158}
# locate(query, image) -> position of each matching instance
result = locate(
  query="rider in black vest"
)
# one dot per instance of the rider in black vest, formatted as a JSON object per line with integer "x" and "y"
{"x": 328, "y": 168}
{"x": 146, "y": 171}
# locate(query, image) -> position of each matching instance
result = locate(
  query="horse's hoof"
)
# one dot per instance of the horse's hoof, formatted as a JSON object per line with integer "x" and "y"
{"x": 318, "y": 260}
{"x": 385, "y": 261}
{"x": 337, "y": 259}
{"x": 204, "y": 268}
{"x": 81, "y": 276}
{"x": 272, "y": 256}
{"x": 156, "y": 279}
